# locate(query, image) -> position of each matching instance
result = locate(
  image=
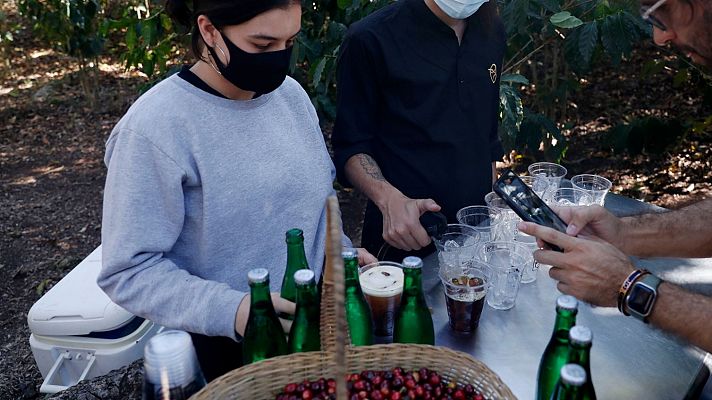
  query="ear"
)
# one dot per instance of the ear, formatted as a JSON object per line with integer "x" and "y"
{"x": 208, "y": 31}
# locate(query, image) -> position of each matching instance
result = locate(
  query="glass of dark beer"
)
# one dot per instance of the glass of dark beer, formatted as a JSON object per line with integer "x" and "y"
{"x": 465, "y": 288}
{"x": 382, "y": 285}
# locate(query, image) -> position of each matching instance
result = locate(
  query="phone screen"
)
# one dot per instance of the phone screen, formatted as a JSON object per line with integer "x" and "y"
{"x": 523, "y": 201}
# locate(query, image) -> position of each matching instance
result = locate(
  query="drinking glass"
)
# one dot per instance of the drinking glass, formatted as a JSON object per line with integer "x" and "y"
{"x": 485, "y": 220}
{"x": 554, "y": 173}
{"x": 596, "y": 185}
{"x": 569, "y": 197}
{"x": 382, "y": 286}
{"x": 465, "y": 288}
{"x": 509, "y": 219}
{"x": 458, "y": 245}
{"x": 505, "y": 261}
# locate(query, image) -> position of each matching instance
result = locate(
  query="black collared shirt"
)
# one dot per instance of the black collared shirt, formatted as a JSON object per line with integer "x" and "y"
{"x": 424, "y": 106}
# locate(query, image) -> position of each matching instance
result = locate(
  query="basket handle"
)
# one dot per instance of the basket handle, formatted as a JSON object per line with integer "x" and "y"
{"x": 334, "y": 273}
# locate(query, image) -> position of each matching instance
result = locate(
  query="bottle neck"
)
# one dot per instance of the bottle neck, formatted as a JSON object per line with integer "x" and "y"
{"x": 351, "y": 273}
{"x": 412, "y": 282}
{"x": 567, "y": 392}
{"x": 580, "y": 354}
{"x": 259, "y": 294}
{"x": 565, "y": 320}
{"x": 307, "y": 295}
{"x": 296, "y": 255}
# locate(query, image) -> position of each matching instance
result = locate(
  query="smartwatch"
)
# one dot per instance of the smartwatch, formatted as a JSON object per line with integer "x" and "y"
{"x": 640, "y": 300}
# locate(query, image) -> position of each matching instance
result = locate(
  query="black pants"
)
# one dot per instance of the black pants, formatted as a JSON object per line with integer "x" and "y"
{"x": 372, "y": 239}
{"x": 217, "y": 355}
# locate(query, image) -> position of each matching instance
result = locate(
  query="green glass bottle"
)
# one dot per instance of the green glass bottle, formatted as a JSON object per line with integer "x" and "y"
{"x": 556, "y": 354}
{"x": 358, "y": 314}
{"x": 264, "y": 337}
{"x": 580, "y": 341}
{"x": 570, "y": 385}
{"x": 296, "y": 260}
{"x": 413, "y": 323}
{"x": 304, "y": 335}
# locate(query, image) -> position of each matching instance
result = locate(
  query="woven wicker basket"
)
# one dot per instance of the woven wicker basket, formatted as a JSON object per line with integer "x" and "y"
{"x": 265, "y": 379}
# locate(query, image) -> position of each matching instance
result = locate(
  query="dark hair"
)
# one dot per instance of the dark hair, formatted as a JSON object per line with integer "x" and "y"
{"x": 221, "y": 13}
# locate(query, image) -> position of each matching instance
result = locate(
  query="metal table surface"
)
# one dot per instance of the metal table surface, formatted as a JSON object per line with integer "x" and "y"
{"x": 629, "y": 360}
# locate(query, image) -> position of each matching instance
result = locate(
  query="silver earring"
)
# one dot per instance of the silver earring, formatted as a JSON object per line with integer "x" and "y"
{"x": 221, "y": 50}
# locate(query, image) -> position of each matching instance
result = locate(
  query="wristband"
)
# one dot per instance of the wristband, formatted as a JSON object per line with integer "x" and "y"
{"x": 627, "y": 283}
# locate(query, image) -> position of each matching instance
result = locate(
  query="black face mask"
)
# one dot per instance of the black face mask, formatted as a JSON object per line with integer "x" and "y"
{"x": 254, "y": 72}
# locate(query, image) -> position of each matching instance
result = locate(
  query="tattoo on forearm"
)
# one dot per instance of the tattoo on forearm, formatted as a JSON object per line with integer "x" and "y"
{"x": 370, "y": 166}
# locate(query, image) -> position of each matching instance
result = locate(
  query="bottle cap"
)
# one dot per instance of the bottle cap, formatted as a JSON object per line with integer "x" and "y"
{"x": 170, "y": 360}
{"x": 349, "y": 253}
{"x": 581, "y": 335}
{"x": 412, "y": 262}
{"x": 295, "y": 235}
{"x": 567, "y": 302}
{"x": 303, "y": 277}
{"x": 573, "y": 374}
{"x": 258, "y": 275}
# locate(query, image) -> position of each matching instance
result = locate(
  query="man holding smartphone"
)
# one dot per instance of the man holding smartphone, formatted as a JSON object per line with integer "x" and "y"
{"x": 595, "y": 266}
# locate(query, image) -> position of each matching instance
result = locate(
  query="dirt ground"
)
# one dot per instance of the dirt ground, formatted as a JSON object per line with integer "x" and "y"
{"x": 52, "y": 173}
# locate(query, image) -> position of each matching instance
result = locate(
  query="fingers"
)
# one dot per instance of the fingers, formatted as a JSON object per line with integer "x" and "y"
{"x": 364, "y": 257}
{"x": 579, "y": 217}
{"x": 410, "y": 236}
{"x": 427, "y": 205}
{"x": 548, "y": 235}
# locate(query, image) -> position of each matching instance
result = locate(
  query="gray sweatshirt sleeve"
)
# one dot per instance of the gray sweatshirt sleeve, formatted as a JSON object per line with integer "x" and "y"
{"x": 142, "y": 218}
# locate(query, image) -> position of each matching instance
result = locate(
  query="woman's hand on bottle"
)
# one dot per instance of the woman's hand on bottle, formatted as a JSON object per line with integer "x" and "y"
{"x": 364, "y": 257}
{"x": 280, "y": 306}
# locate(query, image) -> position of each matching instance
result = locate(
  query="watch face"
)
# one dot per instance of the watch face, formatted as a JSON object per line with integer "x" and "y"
{"x": 640, "y": 298}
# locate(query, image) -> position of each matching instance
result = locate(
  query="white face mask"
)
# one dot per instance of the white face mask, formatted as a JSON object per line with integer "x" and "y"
{"x": 460, "y": 9}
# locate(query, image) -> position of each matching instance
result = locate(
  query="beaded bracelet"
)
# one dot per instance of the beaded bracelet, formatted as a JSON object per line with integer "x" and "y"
{"x": 627, "y": 284}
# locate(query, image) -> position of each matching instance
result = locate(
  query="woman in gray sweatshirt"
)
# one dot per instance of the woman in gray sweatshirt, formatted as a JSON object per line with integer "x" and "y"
{"x": 207, "y": 170}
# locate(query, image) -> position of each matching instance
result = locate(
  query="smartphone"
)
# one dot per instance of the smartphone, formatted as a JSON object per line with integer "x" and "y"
{"x": 526, "y": 204}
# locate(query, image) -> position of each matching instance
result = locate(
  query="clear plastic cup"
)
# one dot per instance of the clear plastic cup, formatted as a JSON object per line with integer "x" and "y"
{"x": 465, "y": 289}
{"x": 552, "y": 171}
{"x": 505, "y": 261}
{"x": 382, "y": 286}
{"x": 508, "y": 226}
{"x": 539, "y": 184}
{"x": 170, "y": 362}
{"x": 458, "y": 245}
{"x": 485, "y": 220}
{"x": 571, "y": 197}
{"x": 529, "y": 274}
{"x": 596, "y": 185}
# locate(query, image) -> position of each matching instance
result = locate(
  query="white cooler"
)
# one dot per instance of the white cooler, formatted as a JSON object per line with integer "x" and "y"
{"x": 79, "y": 333}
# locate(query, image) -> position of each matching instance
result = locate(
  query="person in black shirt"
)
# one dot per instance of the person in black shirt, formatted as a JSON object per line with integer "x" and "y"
{"x": 417, "y": 117}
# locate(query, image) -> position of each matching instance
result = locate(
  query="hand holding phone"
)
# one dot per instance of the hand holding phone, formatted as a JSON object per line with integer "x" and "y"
{"x": 526, "y": 204}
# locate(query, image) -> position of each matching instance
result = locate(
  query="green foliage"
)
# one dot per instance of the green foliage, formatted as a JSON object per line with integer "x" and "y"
{"x": 551, "y": 46}
{"x": 324, "y": 25}
{"x": 554, "y": 43}
{"x": 71, "y": 26}
{"x": 651, "y": 135}
{"x": 148, "y": 34}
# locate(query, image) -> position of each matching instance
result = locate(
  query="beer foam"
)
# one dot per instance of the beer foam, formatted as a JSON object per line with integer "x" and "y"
{"x": 382, "y": 281}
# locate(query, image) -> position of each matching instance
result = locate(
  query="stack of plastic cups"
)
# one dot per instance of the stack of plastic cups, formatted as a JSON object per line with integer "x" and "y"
{"x": 171, "y": 369}
{"x": 554, "y": 173}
